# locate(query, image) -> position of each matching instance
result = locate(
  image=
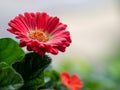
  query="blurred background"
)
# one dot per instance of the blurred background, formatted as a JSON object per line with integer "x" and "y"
{"x": 95, "y": 31}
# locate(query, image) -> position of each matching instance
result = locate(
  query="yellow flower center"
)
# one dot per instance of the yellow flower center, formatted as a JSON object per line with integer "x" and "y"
{"x": 38, "y": 35}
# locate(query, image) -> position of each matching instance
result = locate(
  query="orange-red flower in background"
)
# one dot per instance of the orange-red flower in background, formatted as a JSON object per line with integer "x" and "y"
{"x": 71, "y": 81}
{"x": 40, "y": 32}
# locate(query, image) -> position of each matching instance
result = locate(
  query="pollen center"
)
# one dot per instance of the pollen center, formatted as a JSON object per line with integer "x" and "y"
{"x": 38, "y": 35}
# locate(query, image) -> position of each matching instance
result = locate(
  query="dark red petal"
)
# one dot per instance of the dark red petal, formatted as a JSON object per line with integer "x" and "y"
{"x": 51, "y": 24}
{"x": 41, "y": 20}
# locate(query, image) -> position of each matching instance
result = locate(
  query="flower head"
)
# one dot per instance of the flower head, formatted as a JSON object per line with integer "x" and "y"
{"x": 40, "y": 32}
{"x": 72, "y": 81}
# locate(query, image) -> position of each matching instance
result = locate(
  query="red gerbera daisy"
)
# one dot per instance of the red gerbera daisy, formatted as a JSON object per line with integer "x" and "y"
{"x": 72, "y": 82}
{"x": 40, "y": 32}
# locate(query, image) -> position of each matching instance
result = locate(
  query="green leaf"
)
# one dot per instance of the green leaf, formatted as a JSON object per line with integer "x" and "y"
{"x": 9, "y": 78}
{"x": 10, "y": 52}
{"x": 32, "y": 70}
{"x": 53, "y": 81}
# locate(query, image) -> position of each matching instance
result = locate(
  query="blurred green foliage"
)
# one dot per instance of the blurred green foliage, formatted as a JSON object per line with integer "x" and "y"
{"x": 106, "y": 79}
